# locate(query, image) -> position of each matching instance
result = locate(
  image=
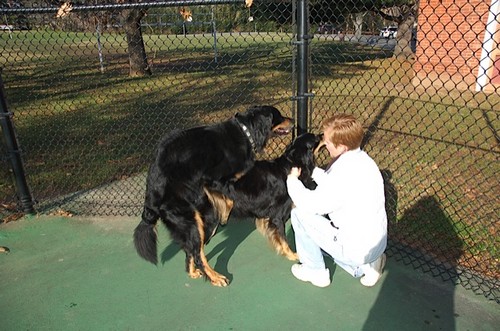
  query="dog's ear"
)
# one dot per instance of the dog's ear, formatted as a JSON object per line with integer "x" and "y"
{"x": 261, "y": 123}
{"x": 301, "y": 157}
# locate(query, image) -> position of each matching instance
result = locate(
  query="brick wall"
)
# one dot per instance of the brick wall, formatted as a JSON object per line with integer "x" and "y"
{"x": 449, "y": 42}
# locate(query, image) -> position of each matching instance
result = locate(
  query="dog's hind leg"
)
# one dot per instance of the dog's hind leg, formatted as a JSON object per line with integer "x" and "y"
{"x": 276, "y": 238}
{"x": 221, "y": 203}
{"x": 193, "y": 272}
{"x": 201, "y": 260}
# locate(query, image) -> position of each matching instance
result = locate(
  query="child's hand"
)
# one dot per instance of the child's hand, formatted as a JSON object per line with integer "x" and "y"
{"x": 295, "y": 172}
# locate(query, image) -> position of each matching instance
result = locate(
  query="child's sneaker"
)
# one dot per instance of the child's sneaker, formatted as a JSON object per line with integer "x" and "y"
{"x": 320, "y": 278}
{"x": 374, "y": 272}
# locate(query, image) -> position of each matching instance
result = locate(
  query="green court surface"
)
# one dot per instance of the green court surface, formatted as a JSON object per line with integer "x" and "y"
{"x": 84, "y": 274}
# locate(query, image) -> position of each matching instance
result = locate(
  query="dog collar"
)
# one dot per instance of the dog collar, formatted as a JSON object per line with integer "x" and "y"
{"x": 249, "y": 136}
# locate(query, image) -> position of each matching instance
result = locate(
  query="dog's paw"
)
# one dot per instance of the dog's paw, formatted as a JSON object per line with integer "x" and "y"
{"x": 4, "y": 249}
{"x": 195, "y": 274}
{"x": 220, "y": 281}
{"x": 292, "y": 257}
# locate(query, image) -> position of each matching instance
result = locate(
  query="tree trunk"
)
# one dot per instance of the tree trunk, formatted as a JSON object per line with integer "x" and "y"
{"x": 358, "y": 25}
{"x": 404, "y": 39}
{"x": 405, "y": 15}
{"x": 136, "y": 52}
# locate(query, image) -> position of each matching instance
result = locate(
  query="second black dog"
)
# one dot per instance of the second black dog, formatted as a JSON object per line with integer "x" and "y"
{"x": 261, "y": 192}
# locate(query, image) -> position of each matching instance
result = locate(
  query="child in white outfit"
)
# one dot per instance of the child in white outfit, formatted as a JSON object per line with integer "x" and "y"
{"x": 345, "y": 215}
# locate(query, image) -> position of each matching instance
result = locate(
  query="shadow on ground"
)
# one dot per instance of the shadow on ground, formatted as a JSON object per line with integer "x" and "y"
{"x": 83, "y": 274}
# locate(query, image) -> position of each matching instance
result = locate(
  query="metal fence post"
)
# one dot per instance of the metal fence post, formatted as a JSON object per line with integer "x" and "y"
{"x": 14, "y": 153}
{"x": 302, "y": 42}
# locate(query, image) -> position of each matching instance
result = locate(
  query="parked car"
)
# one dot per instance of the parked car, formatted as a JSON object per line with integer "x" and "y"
{"x": 389, "y": 32}
{"x": 10, "y": 27}
{"x": 326, "y": 28}
{"x": 6, "y": 27}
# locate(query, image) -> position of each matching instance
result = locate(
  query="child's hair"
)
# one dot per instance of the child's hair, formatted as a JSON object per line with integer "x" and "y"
{"x": 344, "y": 129}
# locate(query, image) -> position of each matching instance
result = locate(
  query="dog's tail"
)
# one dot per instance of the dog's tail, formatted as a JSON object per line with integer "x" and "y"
{"x": 145, "y": 236}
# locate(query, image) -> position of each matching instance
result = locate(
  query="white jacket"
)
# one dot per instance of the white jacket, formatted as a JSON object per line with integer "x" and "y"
{"x": 351, "y": 192}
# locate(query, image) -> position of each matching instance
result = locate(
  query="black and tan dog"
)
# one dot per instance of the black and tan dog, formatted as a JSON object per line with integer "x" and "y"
{"x": 261, "y": 192}
{"x": 185, "y": 162}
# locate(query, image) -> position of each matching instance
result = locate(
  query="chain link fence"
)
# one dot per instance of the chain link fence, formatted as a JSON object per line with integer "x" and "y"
{"x": 89, "y": 104}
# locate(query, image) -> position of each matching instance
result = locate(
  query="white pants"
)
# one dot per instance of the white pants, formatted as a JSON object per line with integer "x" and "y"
{"x": 314, "y": 233}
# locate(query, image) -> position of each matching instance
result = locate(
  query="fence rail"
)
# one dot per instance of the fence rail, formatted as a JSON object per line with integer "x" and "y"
{"x": 117, "y": 6}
